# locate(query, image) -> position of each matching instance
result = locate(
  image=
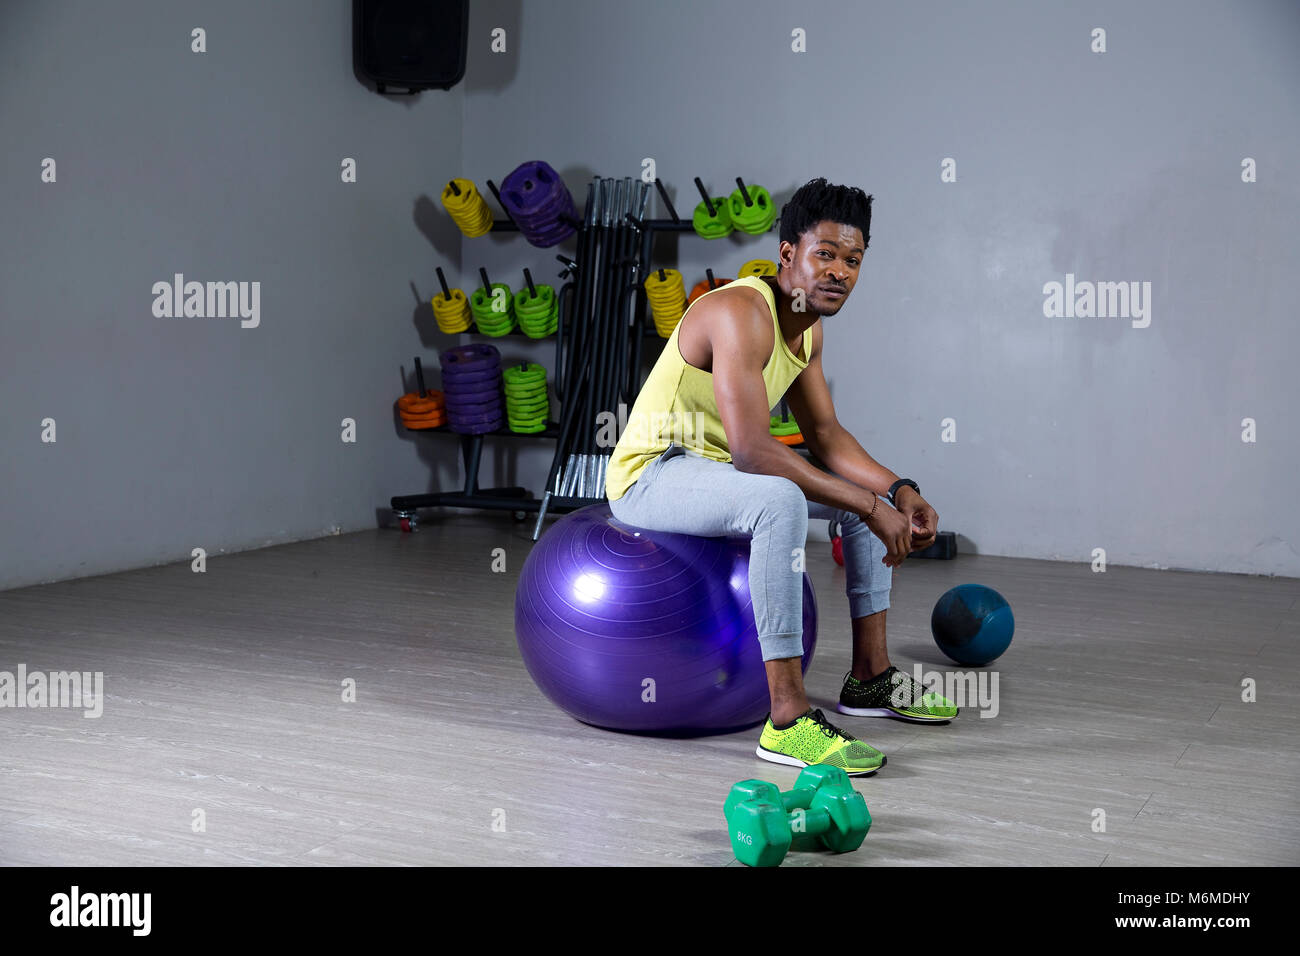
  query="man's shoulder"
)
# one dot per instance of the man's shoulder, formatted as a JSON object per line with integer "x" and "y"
{"x": 735, "y": 310}
{"x": 740, "y": 291}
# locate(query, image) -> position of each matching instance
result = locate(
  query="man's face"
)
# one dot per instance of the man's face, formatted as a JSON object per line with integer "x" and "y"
{"x": 824, "y": 264}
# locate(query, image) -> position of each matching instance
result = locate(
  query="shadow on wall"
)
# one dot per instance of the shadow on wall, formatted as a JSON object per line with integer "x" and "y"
{"x": 432, "y": 222}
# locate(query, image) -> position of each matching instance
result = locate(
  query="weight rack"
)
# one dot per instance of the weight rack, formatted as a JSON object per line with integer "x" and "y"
{"x": 598, "y": 355}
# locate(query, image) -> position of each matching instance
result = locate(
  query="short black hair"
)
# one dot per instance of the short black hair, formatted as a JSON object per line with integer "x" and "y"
{"x": 816, "y": 201}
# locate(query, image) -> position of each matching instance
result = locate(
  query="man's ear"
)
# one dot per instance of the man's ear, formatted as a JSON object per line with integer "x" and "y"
{"x": 785, "y": 254}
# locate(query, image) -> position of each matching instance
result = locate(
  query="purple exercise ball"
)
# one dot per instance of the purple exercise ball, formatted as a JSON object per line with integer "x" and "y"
{"x": 608, "y": 617}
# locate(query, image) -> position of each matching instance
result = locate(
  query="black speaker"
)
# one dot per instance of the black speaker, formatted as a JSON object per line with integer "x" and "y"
{"x": 415, "y": 44}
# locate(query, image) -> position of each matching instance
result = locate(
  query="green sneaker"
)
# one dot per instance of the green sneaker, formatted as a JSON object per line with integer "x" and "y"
{"x": 811, "y": 739}
{"x": 894, "y": 694}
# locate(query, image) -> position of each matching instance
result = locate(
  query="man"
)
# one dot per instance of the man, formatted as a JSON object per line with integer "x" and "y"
{"x": 697, "y": 457}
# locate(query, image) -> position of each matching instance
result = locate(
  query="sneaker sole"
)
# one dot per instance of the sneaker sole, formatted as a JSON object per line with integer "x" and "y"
{"x": 886, "y": 712}
{"x": 789, "y": 761}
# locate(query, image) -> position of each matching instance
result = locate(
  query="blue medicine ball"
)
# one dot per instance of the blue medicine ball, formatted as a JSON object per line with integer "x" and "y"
{"x": 972, "y": 624}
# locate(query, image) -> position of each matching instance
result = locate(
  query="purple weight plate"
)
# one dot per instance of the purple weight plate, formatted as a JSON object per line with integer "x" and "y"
{"x": 470, "y": 368}
{"x": 472, "y": 377}
{"x": 455, "y": 396}
{"x": 470, "y": 356}
{"x": 544, "y": 228}
{"x": 544, "y": 198}
{"x": 466, "y": 419}
{"x": 477, "y": 429}
{"x": 480, "y": 410}
{"x": 560, "y": 206}
{"x": 479, "y": 407}
{"x": 468, "y": 409}
{"x": 473, "y": 368}
{"x": 551, "y": 218}
{"x": 549, "y": 235}
{"x": 530, "y": 186}
{"x": 490, "y": 404}
{"x": 546, "y": 243}
{"x": 475, "y": 350}
{"x": 473, "y": 391}
{"x": 486, "y": 414}
{"x": 476, "y": 381}
{"x": 545, "y": 216}
{"x": 472, "y": 421}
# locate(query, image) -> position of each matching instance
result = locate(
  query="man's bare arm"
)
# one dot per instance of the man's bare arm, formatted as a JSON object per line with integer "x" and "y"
{"x": 842, "y": 453}
{"x": 739, "y": 354}
{"x": 775, "y": 458}
{"x": 809, "y": 399}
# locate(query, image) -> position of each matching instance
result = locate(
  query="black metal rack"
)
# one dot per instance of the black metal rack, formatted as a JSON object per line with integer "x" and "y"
{"x": 632, "y": 238}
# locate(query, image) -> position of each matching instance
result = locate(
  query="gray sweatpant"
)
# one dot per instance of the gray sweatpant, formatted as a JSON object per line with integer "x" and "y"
{"x": 684, "y": 492}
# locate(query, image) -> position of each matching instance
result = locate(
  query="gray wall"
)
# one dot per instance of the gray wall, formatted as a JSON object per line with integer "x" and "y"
{"x": 1072, "y": 434}
{"x": 223, "y": 166}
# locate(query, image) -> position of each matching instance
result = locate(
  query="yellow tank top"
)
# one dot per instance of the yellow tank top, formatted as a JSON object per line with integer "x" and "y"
{"x": 677, "y": 406}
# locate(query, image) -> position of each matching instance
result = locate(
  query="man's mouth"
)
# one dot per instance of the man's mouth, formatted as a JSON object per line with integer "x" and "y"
{"x": 833, "y": 293}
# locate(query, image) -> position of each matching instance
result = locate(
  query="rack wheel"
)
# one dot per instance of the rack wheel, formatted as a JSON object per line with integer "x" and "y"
{"x": 406, "y": 521}
{"x": 520, "y": 517}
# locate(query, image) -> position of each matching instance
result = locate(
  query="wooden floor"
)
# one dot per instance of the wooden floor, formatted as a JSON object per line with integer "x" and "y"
{"x": 1121, "y": 693}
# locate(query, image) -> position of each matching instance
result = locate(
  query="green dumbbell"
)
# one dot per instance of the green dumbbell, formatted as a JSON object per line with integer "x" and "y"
{"x": 762, "y": 821}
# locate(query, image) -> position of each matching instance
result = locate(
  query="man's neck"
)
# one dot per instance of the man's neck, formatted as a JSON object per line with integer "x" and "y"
{"x": 792, "y": 323}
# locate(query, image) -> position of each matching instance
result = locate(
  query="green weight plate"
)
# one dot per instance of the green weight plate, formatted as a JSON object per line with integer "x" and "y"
{"x": 528, "y": 414}
{"x": 530, "y": 372}
{"x": 526, "y": 408}
{"x": 716, "y": 226}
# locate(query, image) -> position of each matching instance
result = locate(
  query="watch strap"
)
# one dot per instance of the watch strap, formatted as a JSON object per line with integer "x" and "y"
{"x": 893, "y": 489}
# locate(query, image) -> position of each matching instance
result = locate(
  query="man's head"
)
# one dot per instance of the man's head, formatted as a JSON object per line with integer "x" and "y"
{"x": 825, "y": 230}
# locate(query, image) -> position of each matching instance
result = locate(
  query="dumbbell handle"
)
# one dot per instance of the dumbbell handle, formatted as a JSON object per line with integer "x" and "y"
{"x": 816, "y": 821}
{"x": 800, "y": 798}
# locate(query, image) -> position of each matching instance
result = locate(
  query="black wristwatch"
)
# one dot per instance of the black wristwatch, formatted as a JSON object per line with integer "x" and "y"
{"x": 898, "y": 484}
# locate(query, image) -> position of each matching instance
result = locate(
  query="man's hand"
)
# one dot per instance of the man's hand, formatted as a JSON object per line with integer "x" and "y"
{"x": 892, "y": 528}
{"x": 922, "y": 519}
